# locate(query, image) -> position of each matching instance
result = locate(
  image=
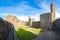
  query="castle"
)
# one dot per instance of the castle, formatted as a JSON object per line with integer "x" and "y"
{"x": 45, "y": 22}
{"x": 46, "y": 19}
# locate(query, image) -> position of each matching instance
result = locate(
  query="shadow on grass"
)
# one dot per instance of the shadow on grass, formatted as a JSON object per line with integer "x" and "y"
{"x": 25, "y": 35}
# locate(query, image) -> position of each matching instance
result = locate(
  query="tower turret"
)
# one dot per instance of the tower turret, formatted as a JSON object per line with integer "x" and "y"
{"x": 52, "y": 12}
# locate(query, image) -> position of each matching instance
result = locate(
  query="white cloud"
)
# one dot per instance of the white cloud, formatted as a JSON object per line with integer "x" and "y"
{"x": 43, "y": 4}
{"x": 33, "y": 12}
{"x": 25, "y": 18}
{"x": 57, "y": 12}
{"x": 23, "y": 8}
{"x": 57, "y": 15}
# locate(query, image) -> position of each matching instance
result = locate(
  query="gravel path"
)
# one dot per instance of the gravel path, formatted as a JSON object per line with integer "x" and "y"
{"x": 47, "y": 35}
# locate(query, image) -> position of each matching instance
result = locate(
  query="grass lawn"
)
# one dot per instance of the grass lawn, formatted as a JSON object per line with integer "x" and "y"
{"x": 27, "y": 33}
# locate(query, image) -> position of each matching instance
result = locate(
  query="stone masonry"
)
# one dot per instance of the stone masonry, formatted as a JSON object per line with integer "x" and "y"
{"x": 7, "y": 31}
{"x": 15, "y": 21}
{"x": 47, "y": 18}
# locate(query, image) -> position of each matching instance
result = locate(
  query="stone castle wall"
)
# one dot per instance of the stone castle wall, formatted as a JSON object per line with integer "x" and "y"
{"x": 36, "y": 24}
{"x": 45, "y": 20}
{"x": 33, "y": 23}
{"x": 7, "y": 30}
{"x": 15, "y": 21}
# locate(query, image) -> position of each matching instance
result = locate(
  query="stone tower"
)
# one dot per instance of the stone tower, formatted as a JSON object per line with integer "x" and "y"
{"x": 52, "y": 12}
{"x": 46, "y": 19}
{"x": 31, "y": 20}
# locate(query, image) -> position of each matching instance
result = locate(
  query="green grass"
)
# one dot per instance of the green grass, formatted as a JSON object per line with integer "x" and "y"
{"x": 36, "y": 31}
{"x": 25, "y": 35}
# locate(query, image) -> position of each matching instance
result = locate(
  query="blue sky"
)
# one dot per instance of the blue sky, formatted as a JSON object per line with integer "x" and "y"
{"x": 24, "y": 8}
